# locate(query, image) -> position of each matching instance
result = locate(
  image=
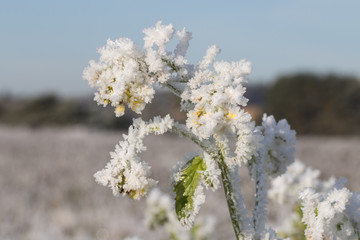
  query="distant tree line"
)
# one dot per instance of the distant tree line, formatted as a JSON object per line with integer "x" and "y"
{"x": 52, "y": 110}
{"x": 313, "y": 104}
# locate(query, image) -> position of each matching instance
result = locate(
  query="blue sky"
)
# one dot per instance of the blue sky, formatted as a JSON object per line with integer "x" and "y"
{"x": 44, "y": 45}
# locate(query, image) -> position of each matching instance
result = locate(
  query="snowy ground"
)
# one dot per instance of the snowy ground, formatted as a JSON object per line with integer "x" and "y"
{"x": 47, "y": 190}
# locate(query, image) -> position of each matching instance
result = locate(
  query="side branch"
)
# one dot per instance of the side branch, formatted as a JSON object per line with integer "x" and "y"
{"x": 173, "y": 89}
{"x": 182, "y": 130}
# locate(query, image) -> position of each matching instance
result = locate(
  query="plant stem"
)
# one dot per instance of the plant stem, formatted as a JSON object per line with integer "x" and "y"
{"x": 260, "y": 212}
{"x": 238, "y": 213}
{"x": 173, "y": 89}
{"x": 230, "y": 198}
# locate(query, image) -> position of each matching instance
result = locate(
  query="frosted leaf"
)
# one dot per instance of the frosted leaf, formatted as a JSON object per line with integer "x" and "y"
{"x": 188, "y": 190}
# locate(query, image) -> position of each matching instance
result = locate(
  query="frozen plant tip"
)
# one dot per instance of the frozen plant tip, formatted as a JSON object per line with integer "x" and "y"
{"x": 126, "y": 173}
{"x": 278, "y": 145}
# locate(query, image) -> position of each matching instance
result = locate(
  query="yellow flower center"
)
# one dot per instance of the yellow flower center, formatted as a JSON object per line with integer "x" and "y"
{"x": 120, "y": 109}
{"x": 231, "y": 115}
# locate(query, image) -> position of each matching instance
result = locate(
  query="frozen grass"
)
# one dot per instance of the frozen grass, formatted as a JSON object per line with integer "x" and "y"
{"x": 47, "y": 190}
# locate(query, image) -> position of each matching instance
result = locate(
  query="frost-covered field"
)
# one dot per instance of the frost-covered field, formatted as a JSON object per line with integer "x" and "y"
{"x": 47, "y": 190}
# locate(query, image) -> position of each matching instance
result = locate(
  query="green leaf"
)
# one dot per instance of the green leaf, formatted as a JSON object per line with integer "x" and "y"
{"x": 186, "y": 186}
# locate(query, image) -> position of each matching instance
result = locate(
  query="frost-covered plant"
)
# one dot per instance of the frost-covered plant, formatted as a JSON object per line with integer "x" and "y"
{"x": 327, "y": 209}
{"x": 331, "y": 215}
{"x": 285, "y": 189}
{"x": 212, "y": 95}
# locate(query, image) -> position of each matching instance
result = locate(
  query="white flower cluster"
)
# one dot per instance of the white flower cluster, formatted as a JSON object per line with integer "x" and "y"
{"x": 121, "y": 76}
{"x": 332, "y": 215}
{"x": 216, "y": 96}
{"x": 126, "y": 173}
{"x": 285, "y": 188}
{"x": 279, "y": 145}
{"x": 160, "y": 213}
{"x": 126, "y": 75}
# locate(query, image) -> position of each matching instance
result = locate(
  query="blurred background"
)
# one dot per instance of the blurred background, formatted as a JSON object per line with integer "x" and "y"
{"x": 53, "y": 136}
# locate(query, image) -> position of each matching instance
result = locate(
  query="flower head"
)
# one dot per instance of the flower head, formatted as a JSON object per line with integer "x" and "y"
{"x": 216, "y": 96}
{"x": 121, "y": 77}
